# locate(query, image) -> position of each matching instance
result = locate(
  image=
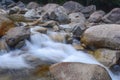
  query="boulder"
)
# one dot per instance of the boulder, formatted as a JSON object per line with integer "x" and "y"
{"x": 113, "y": 16}
{"x": 96, "y": 16}
{"x": 77, "y": 18}
{"x": 77, "y": 29}
{"x": 48, "y": 8}
{"x": 87, "y": 11}
{"x": 14, "y": 10}
{"x": 5, "y": 24}
{"x": 32, "y": 5}
{"x": 21, "y": 5}
{"x": 102, "y": 36}
{"x": 15, "y": 35}
{"x": 72, "y": 6}
{"x": 106, "y": 56}
{"x": 79, "y": 71}
{"x": 31, "y": 14}
{"x": 60, "y": 15}
{"x": 60, "y": 37}
{"x": 17, "y": 10}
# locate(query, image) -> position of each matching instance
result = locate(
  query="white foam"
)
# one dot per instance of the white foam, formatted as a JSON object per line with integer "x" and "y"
{"x": 13, "y": 62}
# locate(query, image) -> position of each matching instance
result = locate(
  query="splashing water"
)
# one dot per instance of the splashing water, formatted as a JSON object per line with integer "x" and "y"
{"x": 48, "y": 50}
{"x": 42, "y": 47}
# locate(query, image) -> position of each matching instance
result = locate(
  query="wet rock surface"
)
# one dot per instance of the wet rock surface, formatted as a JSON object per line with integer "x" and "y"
{"x": 78, "y": 71}
{"x": 106, "y": 56}
{"x": 16, "y": 35}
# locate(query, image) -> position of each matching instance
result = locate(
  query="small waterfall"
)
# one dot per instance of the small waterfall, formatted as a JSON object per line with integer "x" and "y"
{"x": 42, "y": 47}
{"x": 49, "y": 50}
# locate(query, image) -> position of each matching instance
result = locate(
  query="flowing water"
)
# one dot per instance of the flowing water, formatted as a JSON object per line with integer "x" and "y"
{"x": 42, "y": 47}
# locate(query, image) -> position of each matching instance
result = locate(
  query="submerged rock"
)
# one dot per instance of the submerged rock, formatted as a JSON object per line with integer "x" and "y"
{"x": 79, "y": 71}
{"x": 102, "y": 36}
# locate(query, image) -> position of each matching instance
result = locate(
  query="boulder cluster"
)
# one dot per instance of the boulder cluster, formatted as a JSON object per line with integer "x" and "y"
{"x": 83, "y": 27}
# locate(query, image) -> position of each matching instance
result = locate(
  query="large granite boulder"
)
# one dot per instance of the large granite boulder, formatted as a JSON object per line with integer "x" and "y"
{"x": 15, "y": 37}
{"x": 113, "y": 16}
{"x": 60, "y": 15}
{"x": 79, "y": 71}
{"x": 102, "y": 36}
{"x": 73, "y": 6}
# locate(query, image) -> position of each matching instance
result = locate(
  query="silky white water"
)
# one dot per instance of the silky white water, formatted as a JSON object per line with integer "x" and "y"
{"x": 42, "y": 47}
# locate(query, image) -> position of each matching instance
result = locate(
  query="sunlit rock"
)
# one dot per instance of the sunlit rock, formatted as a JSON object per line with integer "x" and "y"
{"x": 60, "y": 37}
{"x": 102, "y": 36}
{"x": 79, "y": 71}
{"x": 16, "y": 35}
{"x": 106, "y": 56}
{"x": 5, "y": 24}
